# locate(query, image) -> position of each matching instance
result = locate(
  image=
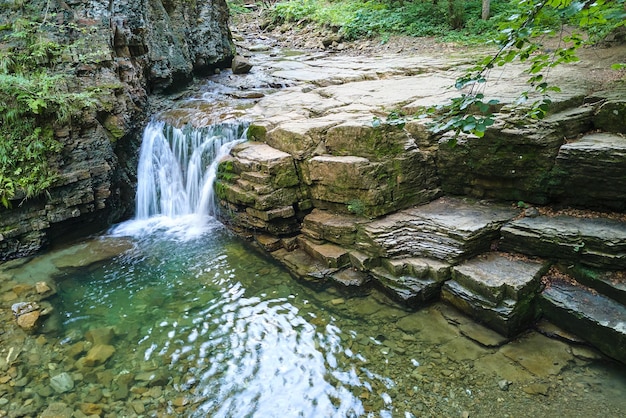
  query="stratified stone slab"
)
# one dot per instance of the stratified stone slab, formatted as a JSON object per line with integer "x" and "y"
{"x": 303, "y": 265}
{"x": 418, "y": 267}
{"x": 595, "y": 242}
{"x": 336, "y": 228}
{"x": 409, "y": 290}
{"x": 540, "y": 355}
{"x": 506, "y": 164}
{"x": 258, "y": 157}
{"x": 449, "y": 229}
{"x": 330, "y": 255}
{"x": 594, "y": 163}
{"x": 350, "y": 277}
{"x": 412, "y": 281}
{"x": 598, "y": 319}
{"x": 497, "y": 290}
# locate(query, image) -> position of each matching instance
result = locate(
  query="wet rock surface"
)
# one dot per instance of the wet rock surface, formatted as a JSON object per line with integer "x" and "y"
{"x": 496, "y": 290}
{"x": 597, "y": 318}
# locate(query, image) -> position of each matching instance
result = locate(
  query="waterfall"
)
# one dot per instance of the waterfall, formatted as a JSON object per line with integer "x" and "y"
{"x": 177, "y": 168}
{"x": 176, "y": 173}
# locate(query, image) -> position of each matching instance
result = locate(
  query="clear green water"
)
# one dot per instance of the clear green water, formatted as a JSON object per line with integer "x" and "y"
{"x": 205, "y": 326}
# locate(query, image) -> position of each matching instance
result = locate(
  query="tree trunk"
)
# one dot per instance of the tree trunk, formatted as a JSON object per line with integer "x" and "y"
{"x": 486, "y": 7}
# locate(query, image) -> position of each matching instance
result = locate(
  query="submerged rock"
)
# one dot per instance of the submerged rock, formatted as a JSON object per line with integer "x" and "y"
{"x": 98, "y": 354}
{"x": 62, "y": 382}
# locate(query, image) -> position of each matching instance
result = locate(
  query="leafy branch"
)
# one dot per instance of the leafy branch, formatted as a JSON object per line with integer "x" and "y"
{"x": 519, "y": 39}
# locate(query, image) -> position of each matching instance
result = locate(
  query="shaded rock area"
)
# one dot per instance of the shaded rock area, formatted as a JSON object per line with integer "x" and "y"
{"x": 594, "y": 163}
{"x": 591, "y": 241}
{"x": 378, "y": 200}
{"x": 497, "y": 290}
{"x": 128, "y": 51}
{"x": 581, "y": 310}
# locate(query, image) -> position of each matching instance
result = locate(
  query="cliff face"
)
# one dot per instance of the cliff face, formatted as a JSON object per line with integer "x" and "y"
{"x": 126, "y": 51}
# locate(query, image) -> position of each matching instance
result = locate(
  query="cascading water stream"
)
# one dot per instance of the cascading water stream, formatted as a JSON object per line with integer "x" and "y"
{"x": 177, "y": 168}
{"x": 175, "y": 176}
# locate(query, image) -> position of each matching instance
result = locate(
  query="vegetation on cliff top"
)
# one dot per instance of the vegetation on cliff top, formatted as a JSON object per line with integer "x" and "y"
{"x": 38, "y": 93}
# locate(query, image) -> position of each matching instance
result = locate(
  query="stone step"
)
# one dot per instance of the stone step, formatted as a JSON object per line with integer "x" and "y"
{"x": 409, "y": 290}
{"x": 598, "y": 319}
{"x": 330, "y": 255}
{"x": 496, "y": 289}
{"x": 594, "y": 163}
{"x": 418, "y": 267}
{"x": 448, "y": 229}
{"x": 598, "y": 242}
{"x": 257, "y": 177}
{"x": 608, "y": 283}
{"x": 278, "y": 198}
{"x": 336, "y": 228}
{"x": 283, "y": 212}
{"x": 259, "y": 189}
{"x": 412, "y": 281}
{"x": 303, "y": 265}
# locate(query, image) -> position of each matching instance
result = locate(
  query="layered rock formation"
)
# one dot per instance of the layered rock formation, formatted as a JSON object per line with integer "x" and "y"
{"x": 128, "y": 50}
{"x": 388, "y": 204}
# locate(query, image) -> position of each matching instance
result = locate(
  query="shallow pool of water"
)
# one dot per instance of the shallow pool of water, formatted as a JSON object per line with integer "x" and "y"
{"x": 202, "y": 325}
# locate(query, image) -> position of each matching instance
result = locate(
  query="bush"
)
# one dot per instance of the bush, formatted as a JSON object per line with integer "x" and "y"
{"x": 379, "y": 17}
{"x": 35, "y": 95}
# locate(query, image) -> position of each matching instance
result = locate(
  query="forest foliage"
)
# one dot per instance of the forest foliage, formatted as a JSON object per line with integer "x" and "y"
{"x": 516, "y": 29}
{"x": 38, "y": 93}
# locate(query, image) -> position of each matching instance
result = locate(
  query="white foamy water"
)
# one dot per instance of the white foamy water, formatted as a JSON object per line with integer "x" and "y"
{"x": 175, "y": 178}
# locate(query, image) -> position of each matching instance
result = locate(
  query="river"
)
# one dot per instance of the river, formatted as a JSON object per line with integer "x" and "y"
{"x": 172, "y": 314}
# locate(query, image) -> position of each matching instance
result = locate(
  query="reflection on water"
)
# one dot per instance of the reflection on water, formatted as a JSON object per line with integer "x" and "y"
{"x": 172, "y": 315}
{"x": 207, "y": 327}
{"x": 239, "y": 337}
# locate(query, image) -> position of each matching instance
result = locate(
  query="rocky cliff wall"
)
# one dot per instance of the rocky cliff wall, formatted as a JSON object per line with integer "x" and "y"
{"x": 127, "y": 51}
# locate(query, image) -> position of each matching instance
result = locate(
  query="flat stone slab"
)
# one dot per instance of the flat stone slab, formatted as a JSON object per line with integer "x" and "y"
{"x": 350, "y": 277}
{"x": 449, "y": 229}
{"x": 418, "y": 267}
{"x": 598, "y": 319}
{"x": 540, "y": 355}
{"x": 497, "y": 290}
{"x": 596, "y": 242}
{"x": 91, "y": 252}
{"x": 257, "y": 157}
{"x": 303, "y": 265}
{"x": 498, "y": 277}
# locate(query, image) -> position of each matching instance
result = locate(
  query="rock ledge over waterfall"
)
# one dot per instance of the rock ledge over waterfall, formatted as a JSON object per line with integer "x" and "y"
{"x": 131, "y": 49}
